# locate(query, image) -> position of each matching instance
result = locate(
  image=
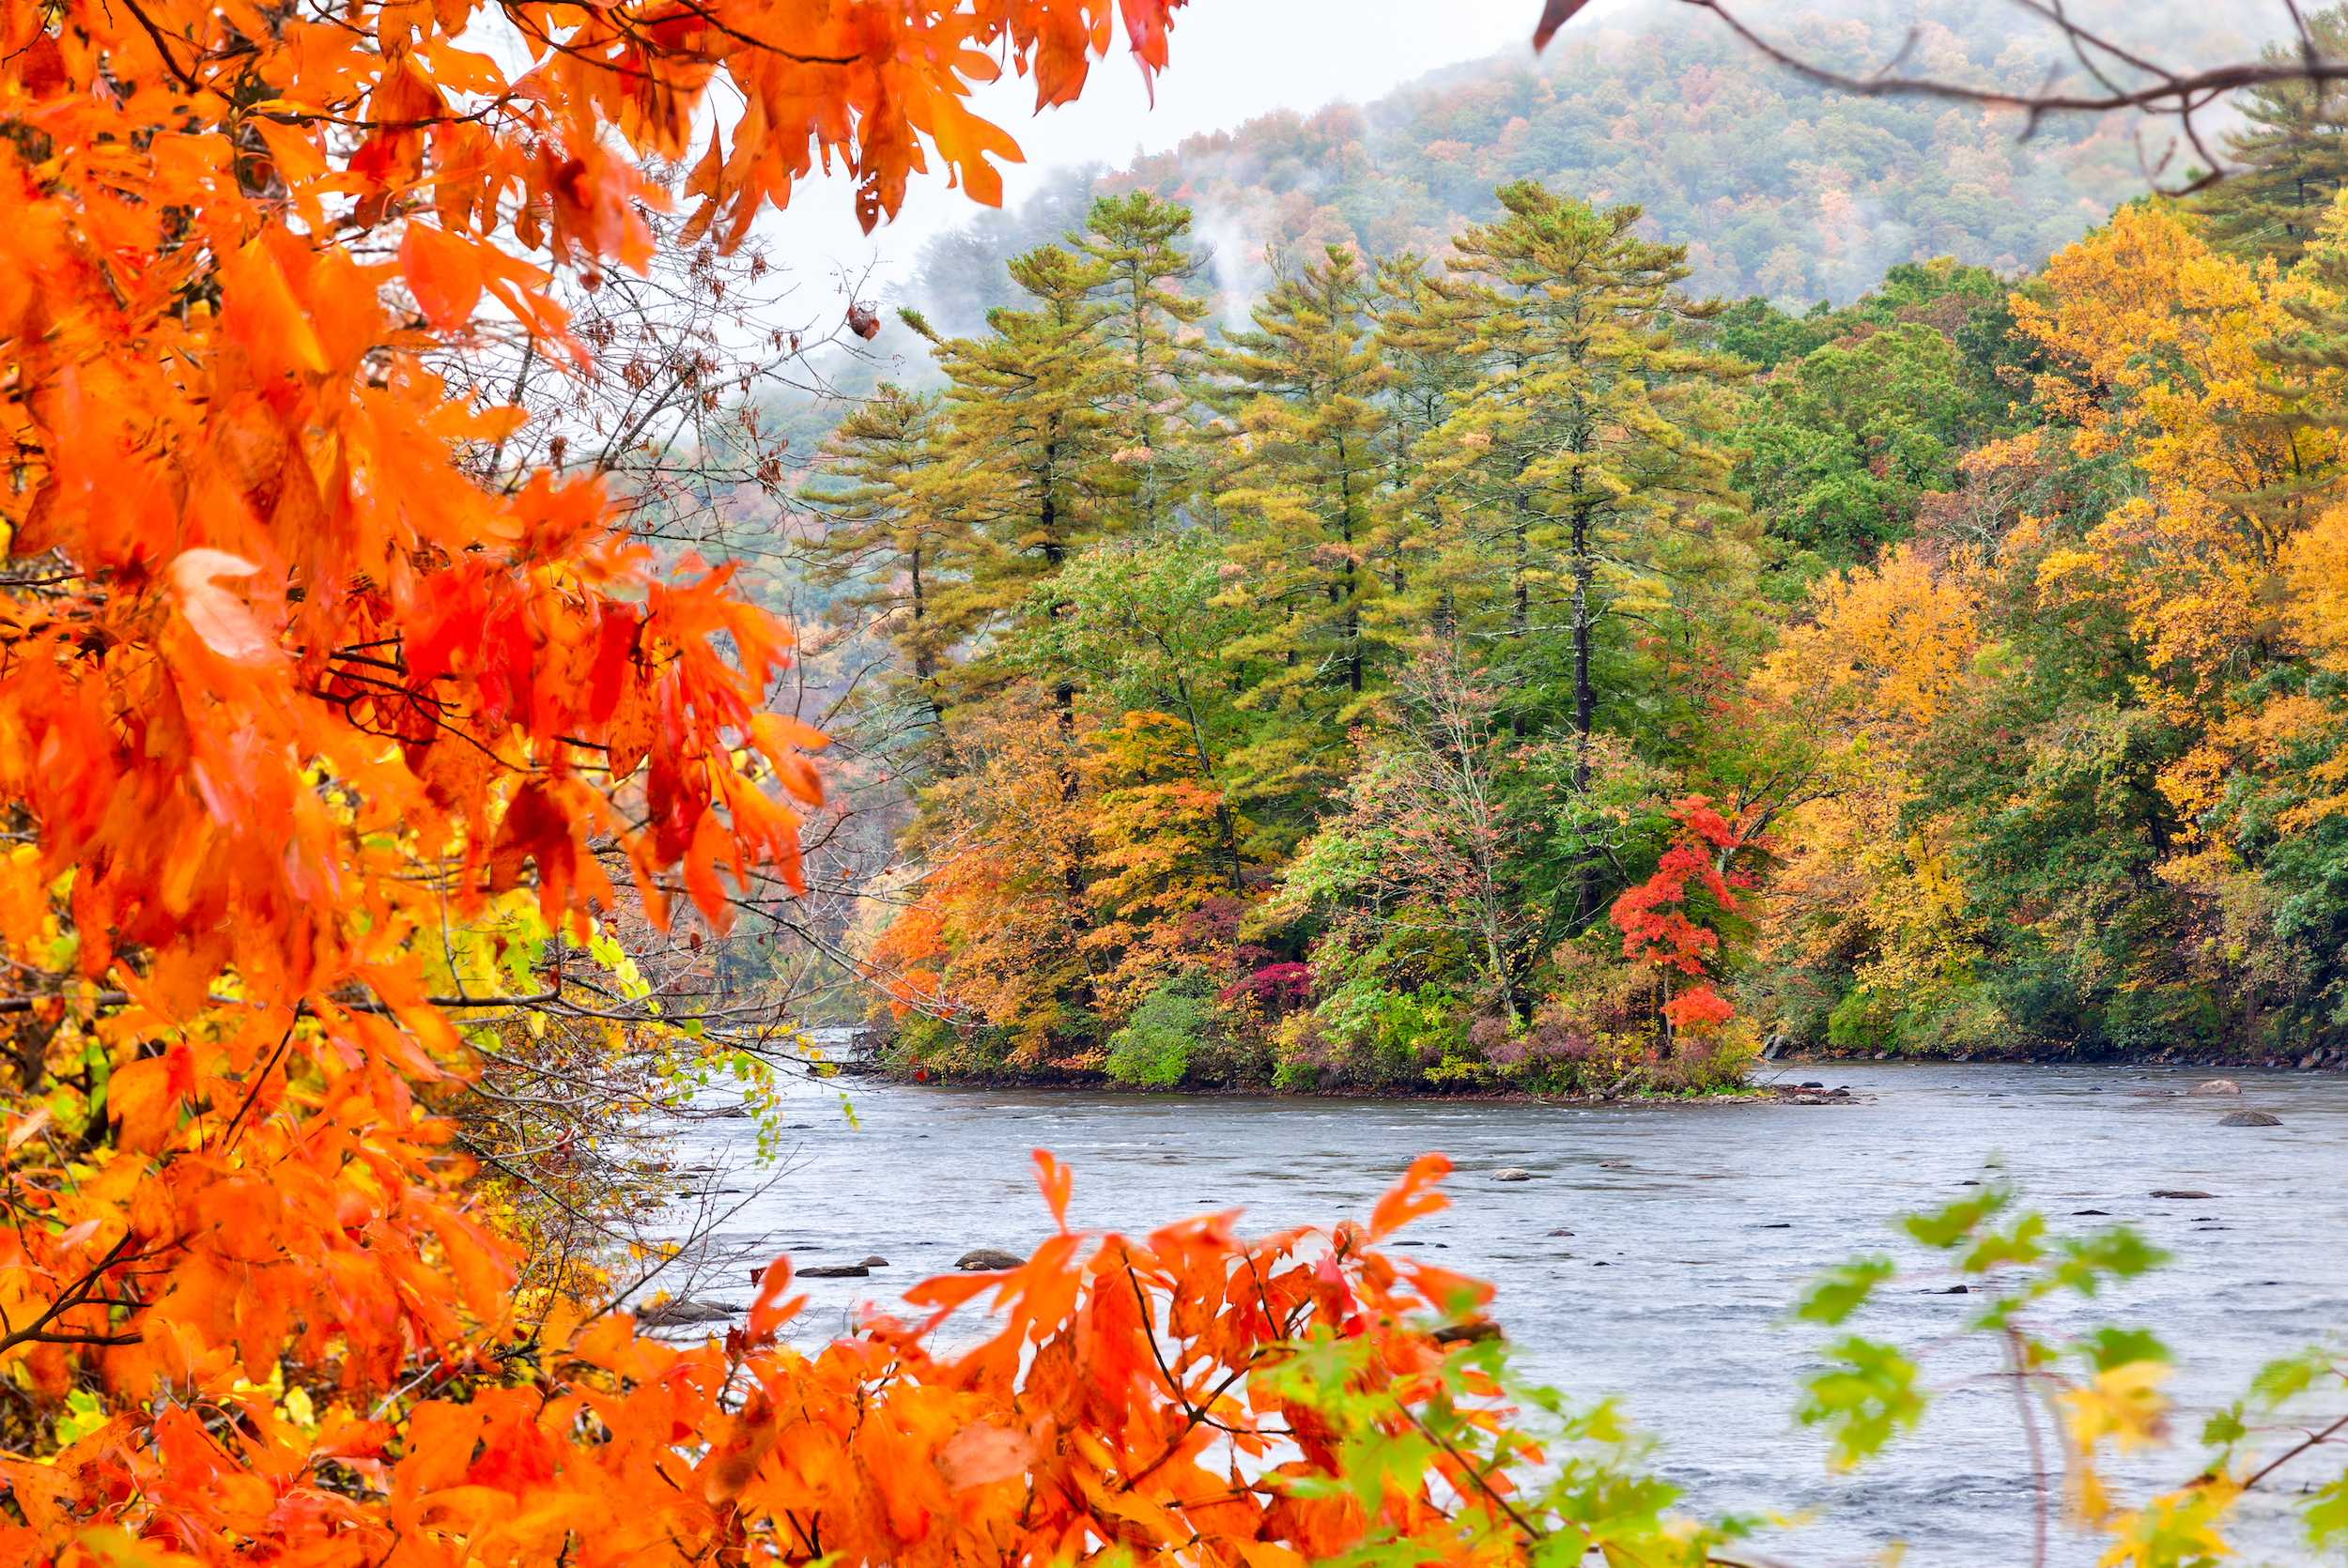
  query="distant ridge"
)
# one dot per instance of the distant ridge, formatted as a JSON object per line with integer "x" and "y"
{"x": 1779, "y": 188}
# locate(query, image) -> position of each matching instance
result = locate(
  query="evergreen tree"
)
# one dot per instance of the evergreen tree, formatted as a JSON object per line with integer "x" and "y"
{"x": 1428, "y": 376}
{"x": 2310, "y": 394}
{"x": 1580, "y": 446}
{"x": 899, "y": 528}
{"x": 1137, "y": 240}
{"x": 1307, "y": 464}
{"x": 1033, "y": 430}
{"x": 2293, "y": 156}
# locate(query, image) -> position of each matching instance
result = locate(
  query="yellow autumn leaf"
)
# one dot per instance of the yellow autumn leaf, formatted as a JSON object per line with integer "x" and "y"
{"x": 2124, "y": 1404}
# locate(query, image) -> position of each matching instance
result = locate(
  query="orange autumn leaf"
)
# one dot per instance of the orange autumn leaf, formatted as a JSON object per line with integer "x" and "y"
{"x": 443, "y": 274}
{"x": 1056, "y": 1181}
{"x": 1414, "y": 1196}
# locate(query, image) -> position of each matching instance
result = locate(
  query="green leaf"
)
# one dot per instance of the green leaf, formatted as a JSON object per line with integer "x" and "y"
{"x": 2119, "y": 1253}
{"x": 2225, "y": 1427}
{"x": 84, "y": 1414}
{"x": 2287, "y": 1377}
{"x": 2109, "y": 1347}
{"x": 1948, "y": 1226}
{"x": 2326, "y": 1514}
{"x": 1843, "y": 1290}
{"x": 1863, "y": 1400}
{"x": 2018, "y": 1245}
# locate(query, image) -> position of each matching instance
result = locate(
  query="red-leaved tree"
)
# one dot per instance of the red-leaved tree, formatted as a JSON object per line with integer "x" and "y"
{"x": 1671, "y": 920}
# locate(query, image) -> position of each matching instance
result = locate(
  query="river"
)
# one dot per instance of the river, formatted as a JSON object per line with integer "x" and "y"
{"x": 1692, "y": 1227}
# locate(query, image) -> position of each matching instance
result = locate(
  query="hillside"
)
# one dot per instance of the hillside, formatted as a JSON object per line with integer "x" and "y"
{"x": 1779, "y": 189}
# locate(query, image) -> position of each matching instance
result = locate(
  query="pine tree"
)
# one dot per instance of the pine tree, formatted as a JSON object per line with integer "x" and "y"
{"x": 1579, "y": 446}
{"x": 1138, "y": 239}
{"x": 2310, "y": 394}
{"x": 2293, "y": 156}
{"x": 899, "y": 530}
{"x": 1307, "y": 460}
{"x": 1429, "y": 377}
{"x": 1031, "y": 427}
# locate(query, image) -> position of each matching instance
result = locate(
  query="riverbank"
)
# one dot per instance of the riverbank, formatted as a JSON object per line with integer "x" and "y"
{"x": 1741, "y": 1094}
{"x": 880, "y": 1053}
{"x": 1764, "y": 1078}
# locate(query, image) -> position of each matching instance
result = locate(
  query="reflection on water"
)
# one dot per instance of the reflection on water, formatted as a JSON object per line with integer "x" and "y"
{"x": 1705, "y": 1220}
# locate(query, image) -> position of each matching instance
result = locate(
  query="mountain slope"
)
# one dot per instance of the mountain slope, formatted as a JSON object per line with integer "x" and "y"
{"x": 1780, "y": 188}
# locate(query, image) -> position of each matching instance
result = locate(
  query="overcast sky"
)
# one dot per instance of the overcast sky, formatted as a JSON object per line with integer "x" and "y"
{"x": 1235, "y": 59}
{"x": 1232, "y": 60}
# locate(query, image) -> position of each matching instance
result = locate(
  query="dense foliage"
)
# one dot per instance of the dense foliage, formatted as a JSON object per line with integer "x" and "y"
{"x": 1507, "y": 671}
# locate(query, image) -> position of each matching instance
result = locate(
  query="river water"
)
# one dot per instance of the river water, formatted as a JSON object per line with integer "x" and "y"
{"x": 1693, "y": 1228}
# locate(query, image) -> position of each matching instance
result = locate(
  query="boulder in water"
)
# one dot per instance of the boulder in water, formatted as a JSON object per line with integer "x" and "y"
{"x": 877, "y": 1261}
{"x": 668, "y": 1314}
{"x": 2249, "y": 1119}
{"x": 1466, "y": 1334}
{"x": 2215, "y": 1086}
{"x": 988, "y": 1260}
{"x": 836, "y": 1271}
{"x": 1512, "y": 1172}
{"x": 2179, "y": 1193}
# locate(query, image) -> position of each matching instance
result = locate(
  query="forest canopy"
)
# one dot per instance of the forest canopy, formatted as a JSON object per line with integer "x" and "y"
{"x": 1509, "y": 669}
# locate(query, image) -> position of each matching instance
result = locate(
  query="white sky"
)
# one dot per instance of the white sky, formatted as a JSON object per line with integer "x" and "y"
{"x": 1235, "y": 59}
{"x": 1232, "y": 60}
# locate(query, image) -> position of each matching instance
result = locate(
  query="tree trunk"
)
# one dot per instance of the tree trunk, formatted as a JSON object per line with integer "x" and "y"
{"x": 1585, "y": 711}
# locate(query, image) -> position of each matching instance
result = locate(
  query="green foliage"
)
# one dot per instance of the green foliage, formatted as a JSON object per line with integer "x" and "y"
{"x": 1153, "y": 1049}
{"x": 1846, "y": 439}
{"x": 1868, "y": 1395}
{"x": 1834, "y": 1296}
{"x": 2107, "y": 1347}
{"x": 1872, "y": 1390}
{"x": 2290, "y": 157}
{"x": 1568, "y": 1480}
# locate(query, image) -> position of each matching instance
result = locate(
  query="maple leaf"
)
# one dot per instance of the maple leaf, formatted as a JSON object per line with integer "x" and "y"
{"x": 218, "y": 616}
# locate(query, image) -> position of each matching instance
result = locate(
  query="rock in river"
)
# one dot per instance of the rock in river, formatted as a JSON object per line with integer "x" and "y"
{"x": 665, "y": 1314}
{"x": 2179, "y": 1193}
{"x": 836, "y": 1271}
{"x": 877, "y": 1261}
{"x": 989, "y": 1259}
{"x": 1512, "y": 1172}
{"x": 2216, "y": 1086}
{"x": 2249, "y": 1119}
{"x": 1466, "y": 1334}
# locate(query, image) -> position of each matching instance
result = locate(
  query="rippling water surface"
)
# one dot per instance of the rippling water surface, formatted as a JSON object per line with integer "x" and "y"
{"x": 1692, "y": 1227}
